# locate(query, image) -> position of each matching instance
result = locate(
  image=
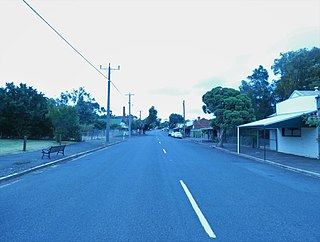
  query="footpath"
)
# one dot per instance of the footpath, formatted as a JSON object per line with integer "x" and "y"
{"x": 15, "y": 165}
{"x": 307, "y": 166}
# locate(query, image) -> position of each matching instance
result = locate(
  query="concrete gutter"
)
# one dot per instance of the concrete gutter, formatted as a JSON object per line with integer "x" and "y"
{"x": 21, "y": 173}
{"x": 291, "y": 168}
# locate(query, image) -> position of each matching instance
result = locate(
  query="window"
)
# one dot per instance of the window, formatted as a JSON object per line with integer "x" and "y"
{"x": 291, "y": 132}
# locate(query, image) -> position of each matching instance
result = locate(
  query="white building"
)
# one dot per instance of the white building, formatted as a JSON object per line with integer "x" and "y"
{"x": 287, "y": 130}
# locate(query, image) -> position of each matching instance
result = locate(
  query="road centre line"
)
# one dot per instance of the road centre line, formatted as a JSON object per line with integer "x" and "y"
{"x": 164, "y": 151}
{"x": 159, "y": 142}
{"x": 200, "y": 215}
{"x": 11, "y": 183}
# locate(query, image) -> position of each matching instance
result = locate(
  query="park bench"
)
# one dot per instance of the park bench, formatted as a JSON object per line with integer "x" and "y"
{"x": 53, "y": 149}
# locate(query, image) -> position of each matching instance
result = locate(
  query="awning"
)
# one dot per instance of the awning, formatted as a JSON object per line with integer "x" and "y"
{"x": 288, "y": 120}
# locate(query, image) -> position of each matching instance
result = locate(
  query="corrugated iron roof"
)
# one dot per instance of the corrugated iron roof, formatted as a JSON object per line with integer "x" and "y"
{"x": 279, "y": 121}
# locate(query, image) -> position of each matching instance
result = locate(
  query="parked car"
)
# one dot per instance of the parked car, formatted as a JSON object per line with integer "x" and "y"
{"x": 177, "y": 135}
{"x": 170, "y": 133}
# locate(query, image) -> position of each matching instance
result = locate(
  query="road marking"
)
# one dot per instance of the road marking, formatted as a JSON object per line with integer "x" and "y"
{"x": 200, "y": 215}
{"x": 159, "y": 142}
{"x": 38, "y": 172}
{"x": 164, "y": 151}
{"x": 10, "y": 183}
{"x": 80, "y": 157}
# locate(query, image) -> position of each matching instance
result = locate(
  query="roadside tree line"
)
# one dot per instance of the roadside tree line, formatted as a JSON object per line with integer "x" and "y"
{"x": 257, "y": 96}
{"x": 26, "y": 112}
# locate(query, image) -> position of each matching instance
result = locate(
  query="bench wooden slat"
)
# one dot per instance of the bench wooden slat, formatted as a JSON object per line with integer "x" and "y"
{"x": 53, "y": 149}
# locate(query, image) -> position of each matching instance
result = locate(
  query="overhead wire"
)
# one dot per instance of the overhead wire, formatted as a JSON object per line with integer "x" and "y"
{"x": 64, "y": 39}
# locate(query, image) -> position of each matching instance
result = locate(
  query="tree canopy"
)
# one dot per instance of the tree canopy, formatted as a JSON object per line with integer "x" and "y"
{"x": 73, "y": 112}
{"x": 298, "y": 70}
{"x": 87, "y": 108}
{"x": 65, "y": 121}
{"x": 259, "y": 90}
{"x": 23, "y": 112}
{"x": 152, "y": 120}
{"x": 230, "y": 108}
{"x": 175, "y": 119}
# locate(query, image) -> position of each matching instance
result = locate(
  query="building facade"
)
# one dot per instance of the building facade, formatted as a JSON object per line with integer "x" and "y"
{"x": 287, "y": 130}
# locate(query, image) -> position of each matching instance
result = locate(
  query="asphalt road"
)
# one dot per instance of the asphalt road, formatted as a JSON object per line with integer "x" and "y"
{"x": 157, "y": 188}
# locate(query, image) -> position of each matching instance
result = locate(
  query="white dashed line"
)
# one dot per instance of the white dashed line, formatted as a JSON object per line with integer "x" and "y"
{"x": 164, "y": 151}
{"x": 200, "y": 215}
{"x": 5, "y": 185}
{"x": 159, "y": 142}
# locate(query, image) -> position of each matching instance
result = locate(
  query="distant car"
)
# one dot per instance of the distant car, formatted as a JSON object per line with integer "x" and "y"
{"x": 177, "y": 135}
{"x": 170, "y": 133}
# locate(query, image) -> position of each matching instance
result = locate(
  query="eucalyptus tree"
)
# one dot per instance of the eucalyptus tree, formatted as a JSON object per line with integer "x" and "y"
{"x": 229, "y": 107}
{"x": 259, "y": 90}
{"x": 86, "y": 106}
{"x": 298, "y": 70}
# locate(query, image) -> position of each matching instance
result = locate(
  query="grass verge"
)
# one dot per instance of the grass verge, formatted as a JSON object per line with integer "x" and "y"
{"x": 8, "y": 146}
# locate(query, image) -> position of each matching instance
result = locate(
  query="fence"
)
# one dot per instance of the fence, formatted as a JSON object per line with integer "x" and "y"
{"x": 101, "y": 134}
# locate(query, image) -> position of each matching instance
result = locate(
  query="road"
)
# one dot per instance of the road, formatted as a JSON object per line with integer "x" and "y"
{"x": 157, "y": 188}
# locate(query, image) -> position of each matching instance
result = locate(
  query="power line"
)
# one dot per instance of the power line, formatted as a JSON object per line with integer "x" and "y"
{"x": 64, "y": 39}
{"x": 117, "y": 89}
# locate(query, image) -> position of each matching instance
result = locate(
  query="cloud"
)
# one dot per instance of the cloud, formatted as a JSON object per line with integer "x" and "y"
{"x": 168, "y": 91}
{"x": 206, "y": 85}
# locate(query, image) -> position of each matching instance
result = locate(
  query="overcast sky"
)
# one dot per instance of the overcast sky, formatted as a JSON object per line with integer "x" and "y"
{"x": 169, "y": 51}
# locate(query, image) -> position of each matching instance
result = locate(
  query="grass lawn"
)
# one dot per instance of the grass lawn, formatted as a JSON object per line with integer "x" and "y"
{"x": 8, "y": 146}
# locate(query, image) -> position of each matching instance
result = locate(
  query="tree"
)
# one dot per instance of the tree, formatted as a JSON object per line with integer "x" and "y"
{"x": 313, "y": 120}
{"x": 86, "y": 106}
{"x": 230, "y": 108}
{"x": 137, "y": 124}
{"x": 65, "y": 121}
{"x": 151, "y": 120}
{"x": 100, "y": 124}
{"x": 165, "y": 124}
{"x": 298, "y": 70}
{"x": 23, "y": 112}
{"x": 259, "y": 90}
{"x": 2, "y": 110}
{"x": 175, "y": 119}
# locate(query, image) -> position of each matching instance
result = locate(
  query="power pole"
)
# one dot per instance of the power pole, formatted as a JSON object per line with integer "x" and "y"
{"x": 140, "y": 123}
{"x": 318, "y": 117}
{"x": 108, "y": 99}
{"x": 130, "y": 94}
{"x": 184, "y": 119}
